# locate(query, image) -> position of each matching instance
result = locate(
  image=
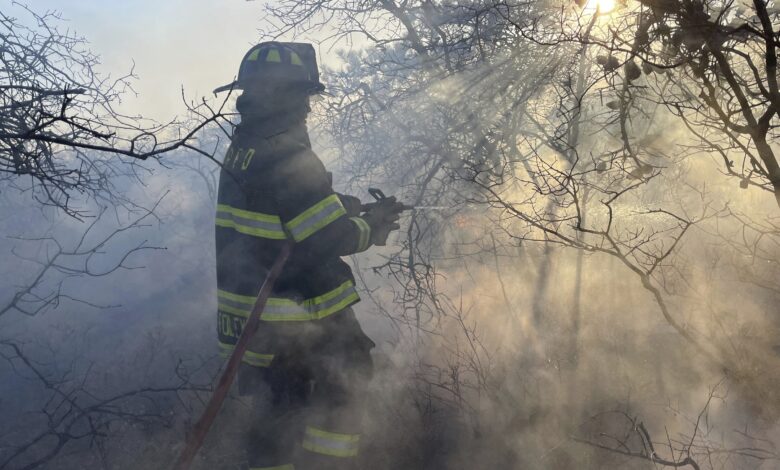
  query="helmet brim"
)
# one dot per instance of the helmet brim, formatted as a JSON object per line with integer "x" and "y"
{"x": 230, "y": 86}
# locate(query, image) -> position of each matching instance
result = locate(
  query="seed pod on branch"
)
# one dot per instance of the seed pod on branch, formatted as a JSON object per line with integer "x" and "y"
{"x": 632, "y": 71}
{"x": 610, "y": 63}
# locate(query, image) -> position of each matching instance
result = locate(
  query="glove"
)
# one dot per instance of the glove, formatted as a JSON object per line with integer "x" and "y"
{"x": 383, "y": 219}
{"x": 351, "y": 204}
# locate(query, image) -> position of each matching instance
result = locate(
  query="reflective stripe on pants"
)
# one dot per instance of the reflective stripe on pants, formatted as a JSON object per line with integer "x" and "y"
{"x": 250, "y": 357}
{"x": 311, "y": 400}
{"x": 330, "y": 443}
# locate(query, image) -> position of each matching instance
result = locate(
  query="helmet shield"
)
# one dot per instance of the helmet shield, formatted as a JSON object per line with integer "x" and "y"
{"x": 271, "y": 64}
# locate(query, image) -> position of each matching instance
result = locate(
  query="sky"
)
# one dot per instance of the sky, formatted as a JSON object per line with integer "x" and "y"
{"x": 197, "y": 44}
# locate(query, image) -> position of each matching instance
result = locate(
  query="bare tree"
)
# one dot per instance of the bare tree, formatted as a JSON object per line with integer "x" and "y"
{"x": 698, "y": 449}
{"x": 711, "y": 64}
{"x": 65, "y": 143}
{"x": 77, "y": 413}
{"x": 47, "y": 287}
{"x": 62, "y": 133}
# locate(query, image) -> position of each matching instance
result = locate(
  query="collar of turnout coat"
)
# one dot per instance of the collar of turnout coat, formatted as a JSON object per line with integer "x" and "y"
{"x": 281, "y": 138}
{"x": 267, "y": 125}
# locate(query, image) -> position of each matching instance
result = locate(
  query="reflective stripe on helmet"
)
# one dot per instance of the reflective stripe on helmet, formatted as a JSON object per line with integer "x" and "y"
{"x": 365, "y": 233}
{"x": 281, "y": 309}
{"x": 253, "y": 55}
{"x": 330, "y": 443}
{"x": 315, "y": 217}
{"x": 273, "y": 55}
{"x": 250, "y": 223}
{"x": 295, "y": 59}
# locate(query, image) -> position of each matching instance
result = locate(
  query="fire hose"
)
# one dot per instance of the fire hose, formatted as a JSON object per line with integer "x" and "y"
{"x": 198, "y": 434}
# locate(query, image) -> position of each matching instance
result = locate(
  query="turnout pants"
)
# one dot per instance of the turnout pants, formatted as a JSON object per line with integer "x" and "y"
{"x": 310, "y": 381}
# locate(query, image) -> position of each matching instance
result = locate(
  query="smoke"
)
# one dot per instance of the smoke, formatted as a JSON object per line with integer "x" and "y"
{"x": 488, "y": 386}
{"x": 498, "y": 345}
{"x": 510, "y": 346}
{"x": 125, "y": 310}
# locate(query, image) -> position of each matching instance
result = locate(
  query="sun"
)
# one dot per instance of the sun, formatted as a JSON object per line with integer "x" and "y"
{"x": 603, "y": 6}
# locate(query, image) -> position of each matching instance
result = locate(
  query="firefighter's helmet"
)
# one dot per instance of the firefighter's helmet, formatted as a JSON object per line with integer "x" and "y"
{"x": 278, "y": 63}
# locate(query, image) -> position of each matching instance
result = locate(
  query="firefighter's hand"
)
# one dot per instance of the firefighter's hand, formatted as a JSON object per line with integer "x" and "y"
{"x": 383, "y": 219}
{"x": 351, "y": 204}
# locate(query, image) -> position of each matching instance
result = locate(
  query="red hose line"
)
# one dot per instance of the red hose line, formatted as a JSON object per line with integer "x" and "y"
{"x": 198, "y": 434}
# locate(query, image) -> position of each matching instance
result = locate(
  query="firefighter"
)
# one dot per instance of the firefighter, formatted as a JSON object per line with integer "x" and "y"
{"x": 310, "y": 355}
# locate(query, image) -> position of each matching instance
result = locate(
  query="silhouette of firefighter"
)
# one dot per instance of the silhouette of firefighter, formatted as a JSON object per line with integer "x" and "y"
{"x": 310, "y": 355}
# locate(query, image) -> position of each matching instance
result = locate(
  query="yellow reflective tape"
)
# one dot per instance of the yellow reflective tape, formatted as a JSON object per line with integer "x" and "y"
{"x": 320, "y": 299}
{"x": 364, "y": 233}
{"x": 256, "y": 363}
{"x": 256, "y": 232}
{"x": 247, "y": 299}
{"x": 250, "y": 222}
{"x": 316, "y": 448}
{"x": 273, "y": 56}
{"x": 281, "y": 309}
{"x": 250, "y": 357}
{"x": 258, "y": 356}
{"x": 303, "y": 316}
{"x": 315, "y": 217}
{"x": 333, "y": 436}
{"x": 280, "y": 301}
{"x": 354, "y": 297}
{"x": 330, "y": 443}
{"x": 316, "y": 315}
{"x": 321, "y": 223}
{"x": 295, "y": 59}
{"x": 257, "y": 360}
{"x": 313, "y": 210}
{"x": 243, "y": 213}
{"x": 314, "y": 308}
{"x": 253, "y": 55}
